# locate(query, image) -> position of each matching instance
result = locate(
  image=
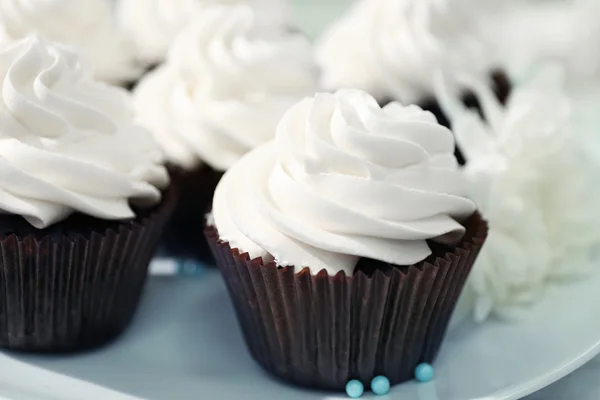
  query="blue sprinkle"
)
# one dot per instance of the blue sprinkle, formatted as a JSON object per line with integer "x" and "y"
{"x": 380, "y": 385}
{"x": 424, "y": 372}
{"x": 354, "y": 389}
{"x": 187, "y": 267}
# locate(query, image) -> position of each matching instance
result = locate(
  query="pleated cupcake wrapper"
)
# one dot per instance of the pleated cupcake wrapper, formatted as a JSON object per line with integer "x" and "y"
{"x": 69, "y": 292}
{"x": 321, "y": 331}
{"x": 183, "y": 236}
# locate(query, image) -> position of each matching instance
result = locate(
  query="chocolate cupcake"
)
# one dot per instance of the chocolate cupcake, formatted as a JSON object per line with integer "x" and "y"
{"x": 84, "y": 198}
{"x": 393, "y": 49}
{"x": 86, "y": 25}
{"x": 228, "y": 80}
{"x": 153, "y": 25}
{"x": 346, "y": 242}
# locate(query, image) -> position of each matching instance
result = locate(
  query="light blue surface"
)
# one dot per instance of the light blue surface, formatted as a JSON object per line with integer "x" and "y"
{"x": 185, "y": 344}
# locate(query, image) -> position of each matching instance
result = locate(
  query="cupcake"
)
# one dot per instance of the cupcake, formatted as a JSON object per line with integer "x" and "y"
{"x": 392, "y": 48}
{"x": 153, "y": 25}
{"x": 85, "y": 24}
{"x": 226, "y": 83}
{"x": 346, "y": 241}
{"x": 83, "y": 199}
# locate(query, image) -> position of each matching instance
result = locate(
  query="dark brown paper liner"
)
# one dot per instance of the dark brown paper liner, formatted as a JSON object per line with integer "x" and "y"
{"x": 321, "y": 331}
{"x": 72, "y": 290}
{"x": 184, "y": 233}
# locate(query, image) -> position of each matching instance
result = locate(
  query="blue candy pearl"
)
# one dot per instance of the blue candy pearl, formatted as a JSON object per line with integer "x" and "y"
{"x": 380, "y": 385}
{"x": 189, "y": 267}
{"x": 354, "y": 389}
{"x": 424, "y": 372}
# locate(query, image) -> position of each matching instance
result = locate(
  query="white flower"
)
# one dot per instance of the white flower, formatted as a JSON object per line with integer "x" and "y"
{"x": 534, "y": 183}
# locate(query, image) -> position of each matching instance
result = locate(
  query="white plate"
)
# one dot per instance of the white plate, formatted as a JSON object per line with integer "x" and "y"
{"x": 185, "y": 344}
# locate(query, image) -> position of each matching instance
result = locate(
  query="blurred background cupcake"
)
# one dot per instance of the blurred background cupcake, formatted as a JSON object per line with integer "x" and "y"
{"x": 346, "y": 241}
{"x": 229, "y": 77}
{"x": 87, "y": 25}
{"x": 392, "y": 48}
{"x": 152, "y": 25}
{"x": 534, "y": 175}
{"x": 83, "y": 199}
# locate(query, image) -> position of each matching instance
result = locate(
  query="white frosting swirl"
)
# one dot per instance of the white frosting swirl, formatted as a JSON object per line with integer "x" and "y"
{"x": 85, "y": 24}
{"x": 345, "y": 179}
{"x": 227, "y": 82}
{"x": 153, "y": 24}
{"x": 534, "y": 182}
{"x": 393, "y": 47}
{"x": 68, "y": 143}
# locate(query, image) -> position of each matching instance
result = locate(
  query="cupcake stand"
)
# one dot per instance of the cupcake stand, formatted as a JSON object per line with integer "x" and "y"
{"x": 185, "y": 344}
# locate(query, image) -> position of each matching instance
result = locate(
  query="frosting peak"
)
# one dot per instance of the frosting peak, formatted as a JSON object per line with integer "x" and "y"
{"x": 227, "y": 81}
{"x": 239, "y": 54}
{"x": 85, "y": 24}
{"x": 345, "y": 179}
{"x": 153, "y": 24}
{"x": 67, "y": 143}
{"x": 392, "y": 48}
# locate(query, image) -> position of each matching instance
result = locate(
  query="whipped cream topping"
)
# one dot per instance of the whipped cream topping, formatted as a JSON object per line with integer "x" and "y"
{"x": 153, "y": 24}
{"x": 345, "y": 179}
{"x": 227, "y": 81}
{"x": 68, "y": 143}
{"x": 85, "y": 24}
{"x": 533, "y": 180}
{"x": 392, "y": 48}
